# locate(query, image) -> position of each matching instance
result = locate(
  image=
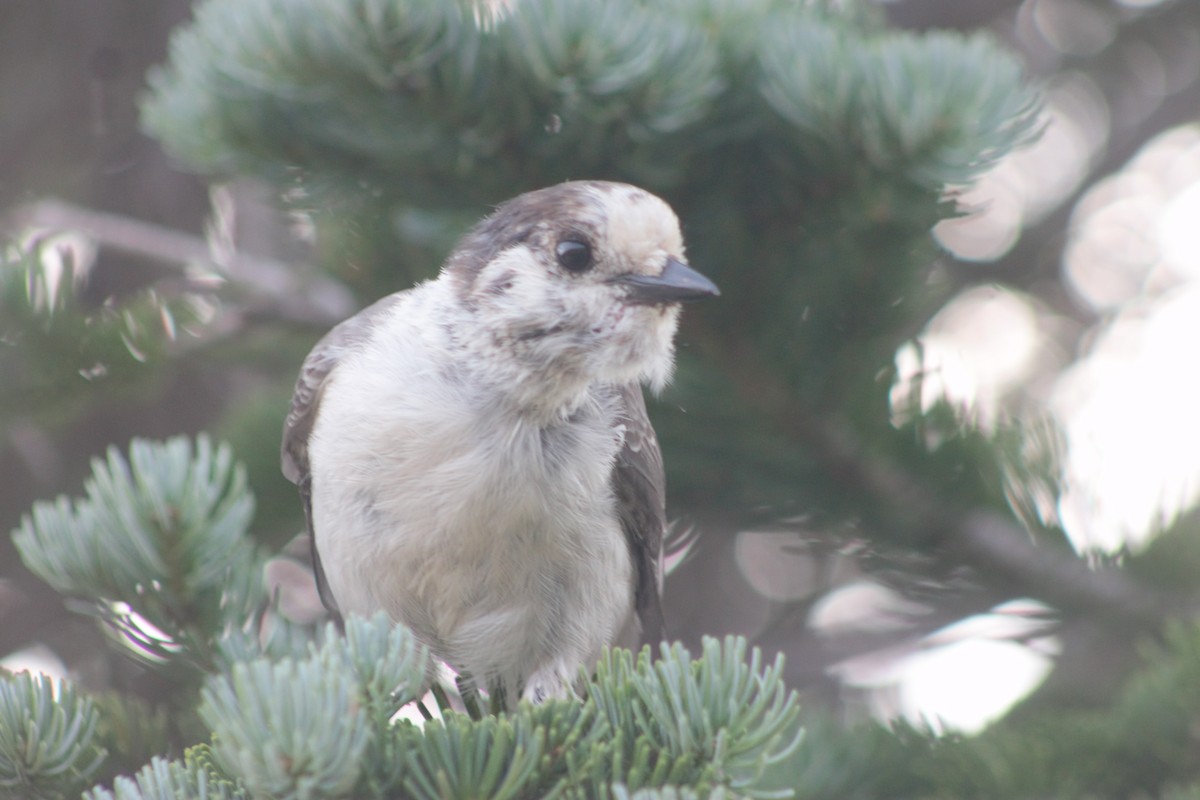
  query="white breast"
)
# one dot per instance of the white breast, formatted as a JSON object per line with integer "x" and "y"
{"x": 494, "y": 538}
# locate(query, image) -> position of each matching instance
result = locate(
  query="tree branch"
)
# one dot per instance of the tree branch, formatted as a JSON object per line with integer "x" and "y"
{"x": 1000, "y": 551}
{"x": 297, "y": 293}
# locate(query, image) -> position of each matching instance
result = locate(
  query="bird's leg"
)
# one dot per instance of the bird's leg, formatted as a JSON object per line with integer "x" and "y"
{"x": 439, "y": 695}
{"x": 498, "y": 698}
{"x": 470, "y": 696}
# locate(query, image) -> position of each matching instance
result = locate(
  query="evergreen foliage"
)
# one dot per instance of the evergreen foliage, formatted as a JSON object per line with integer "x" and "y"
{"x": 808, "y": 150}
{"x": 717, "y": 717}
{"x": 158, "y": 547}
{"x": 53, "y": 336}
{"x": 414, "y": 90}
{"x": 378, "y": 106}
{"x": 407, "y": 111}
{"x": 319, "y": 721}
{"x": 47, "y": 738}
{"x": 271, "y": 726}
{"x": 168, "y": 780}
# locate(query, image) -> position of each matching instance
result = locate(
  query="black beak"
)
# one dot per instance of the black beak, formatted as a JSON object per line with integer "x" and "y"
{"x": 678, "y": 283}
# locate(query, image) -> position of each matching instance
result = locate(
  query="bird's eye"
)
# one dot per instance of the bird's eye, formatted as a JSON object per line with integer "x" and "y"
{"x": 574, "y": 255}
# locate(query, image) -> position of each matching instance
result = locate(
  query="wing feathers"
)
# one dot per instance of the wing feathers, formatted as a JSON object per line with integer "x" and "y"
{"x": 640, "y": 489}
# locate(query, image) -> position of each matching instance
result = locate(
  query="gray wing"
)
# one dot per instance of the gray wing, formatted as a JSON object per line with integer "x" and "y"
{"x": 640, "y": 489}
{"x": 302, "y": 415}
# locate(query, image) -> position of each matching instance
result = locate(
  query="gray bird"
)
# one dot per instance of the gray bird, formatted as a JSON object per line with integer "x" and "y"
{"x": 474, "y": 454}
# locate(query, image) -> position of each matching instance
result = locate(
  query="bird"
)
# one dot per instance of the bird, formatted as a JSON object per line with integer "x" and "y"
{"x": 474, "y": 454}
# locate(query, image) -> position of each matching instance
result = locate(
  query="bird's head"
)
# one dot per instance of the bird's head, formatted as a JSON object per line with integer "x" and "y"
{"x": 581, "y": 281}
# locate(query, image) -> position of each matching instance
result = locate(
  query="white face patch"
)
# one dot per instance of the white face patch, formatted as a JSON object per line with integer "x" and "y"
{"x": 559, "y": 327}
{"x": 639, "y": 228}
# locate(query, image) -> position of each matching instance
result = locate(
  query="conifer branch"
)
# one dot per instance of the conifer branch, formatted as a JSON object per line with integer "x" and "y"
{"x": 47, "y": 738}
{"x": 996, "y": 548}
{"x": 157, "y": 549}
{"x": 289, "y": 291}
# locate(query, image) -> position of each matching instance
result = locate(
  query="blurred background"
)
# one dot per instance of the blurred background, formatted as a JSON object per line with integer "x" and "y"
{"x": 1075, "y": 309}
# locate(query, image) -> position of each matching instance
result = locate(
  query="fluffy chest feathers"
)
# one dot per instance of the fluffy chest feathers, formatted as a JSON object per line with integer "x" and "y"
{"x": 432, "y": 437}
{"x": 491, "y": 535}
